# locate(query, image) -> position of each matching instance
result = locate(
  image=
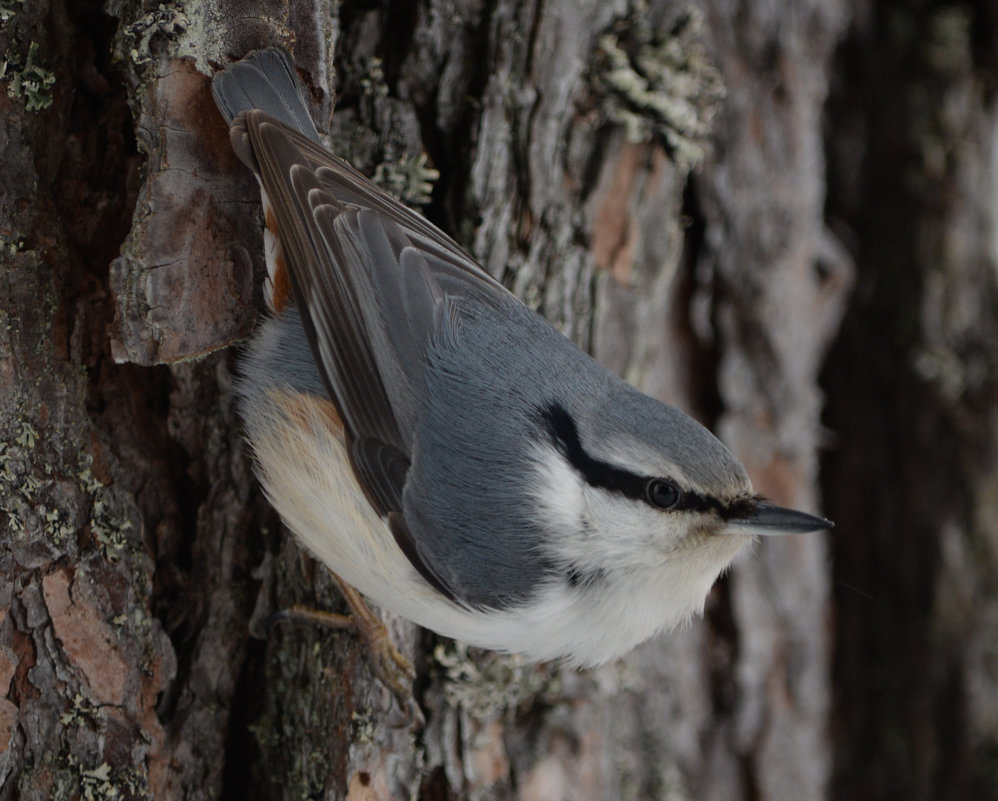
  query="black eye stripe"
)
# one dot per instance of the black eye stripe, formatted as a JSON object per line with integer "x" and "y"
{"x": 561, "y": 428}
{"x": 564, "y": 434}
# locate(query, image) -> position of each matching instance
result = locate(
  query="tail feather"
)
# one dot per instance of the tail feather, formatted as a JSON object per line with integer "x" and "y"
{"x": 264, "y": 80}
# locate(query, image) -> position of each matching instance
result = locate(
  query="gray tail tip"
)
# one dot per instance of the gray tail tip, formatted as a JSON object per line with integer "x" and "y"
{"x": 264, "y": 79}
{"x": 242, "y": 84}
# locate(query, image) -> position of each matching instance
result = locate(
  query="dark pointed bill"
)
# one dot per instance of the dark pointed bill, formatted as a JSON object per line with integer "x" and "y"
{"x": 766, "y": 519}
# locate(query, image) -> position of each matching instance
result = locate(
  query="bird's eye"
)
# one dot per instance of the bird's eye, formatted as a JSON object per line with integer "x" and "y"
{"x": 662, "y": 494}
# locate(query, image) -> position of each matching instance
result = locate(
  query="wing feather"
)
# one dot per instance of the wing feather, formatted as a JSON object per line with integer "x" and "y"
{"x": 370, "y": 278}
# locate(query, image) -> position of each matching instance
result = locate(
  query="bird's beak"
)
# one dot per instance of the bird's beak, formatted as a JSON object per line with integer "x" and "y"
{"x": 765, "y": 519}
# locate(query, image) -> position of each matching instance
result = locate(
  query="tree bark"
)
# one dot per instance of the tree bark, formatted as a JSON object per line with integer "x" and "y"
{"x": 913, "y": 474}
{"x": 652, "y": 177}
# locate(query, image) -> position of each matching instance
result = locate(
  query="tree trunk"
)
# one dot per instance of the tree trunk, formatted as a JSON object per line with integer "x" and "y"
{"x": 913, "y": 476}
{"x": 652, "y": 177}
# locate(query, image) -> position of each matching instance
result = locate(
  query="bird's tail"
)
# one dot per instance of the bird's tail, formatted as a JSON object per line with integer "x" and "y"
{"x": 264, "y": 80}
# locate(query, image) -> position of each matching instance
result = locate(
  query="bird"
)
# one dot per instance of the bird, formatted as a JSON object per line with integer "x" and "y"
{"x": 442, "y": 448}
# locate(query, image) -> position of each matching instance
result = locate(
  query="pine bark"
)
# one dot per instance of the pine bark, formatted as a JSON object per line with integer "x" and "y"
{"x": 652, "y": 177}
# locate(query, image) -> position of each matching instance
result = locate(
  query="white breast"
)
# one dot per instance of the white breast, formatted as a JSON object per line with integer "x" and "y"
{"x": 303, "y": 466}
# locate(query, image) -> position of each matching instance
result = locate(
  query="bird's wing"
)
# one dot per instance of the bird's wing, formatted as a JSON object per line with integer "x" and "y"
{"x": 369, "y": 277}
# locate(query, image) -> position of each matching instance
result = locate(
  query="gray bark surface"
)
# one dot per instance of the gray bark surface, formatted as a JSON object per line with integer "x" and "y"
{"x": 672, "y": 185}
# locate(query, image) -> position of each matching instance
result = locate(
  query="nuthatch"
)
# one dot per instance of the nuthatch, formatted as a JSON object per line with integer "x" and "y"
{"x": 444, "y": 449}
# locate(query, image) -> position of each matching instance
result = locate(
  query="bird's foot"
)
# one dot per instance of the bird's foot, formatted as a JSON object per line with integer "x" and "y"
{"x": 390, "y": 667}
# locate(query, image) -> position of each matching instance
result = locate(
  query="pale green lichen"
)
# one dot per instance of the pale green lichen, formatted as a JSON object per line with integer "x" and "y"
{"x": 659, "y": 86}
{"x": 75, "y": 777}
{"x": 28, "y": 436}
{"x": 8, "y": 8}
{"x": 29, "y": 82}
{"x": 944, "y": 368}
{"x": 109, "y": 527}
{"x": 97, "y": 783}
{"x": 364, "y": 725}
{"x": 88, "y": 483}
{"x": 409, "y": 178}
{"x": 81, "y": 712}
{"x": 10, "y": 246}
{"x": 164, "y": 21}
{"x": 18, "y": 501}
{"x": 490, "y": 683}
{"x": 405, "y": 175}
{"x": 373, "y": 82}
{"x": 57, "y": 529}
{"x": 29, "y": 507}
